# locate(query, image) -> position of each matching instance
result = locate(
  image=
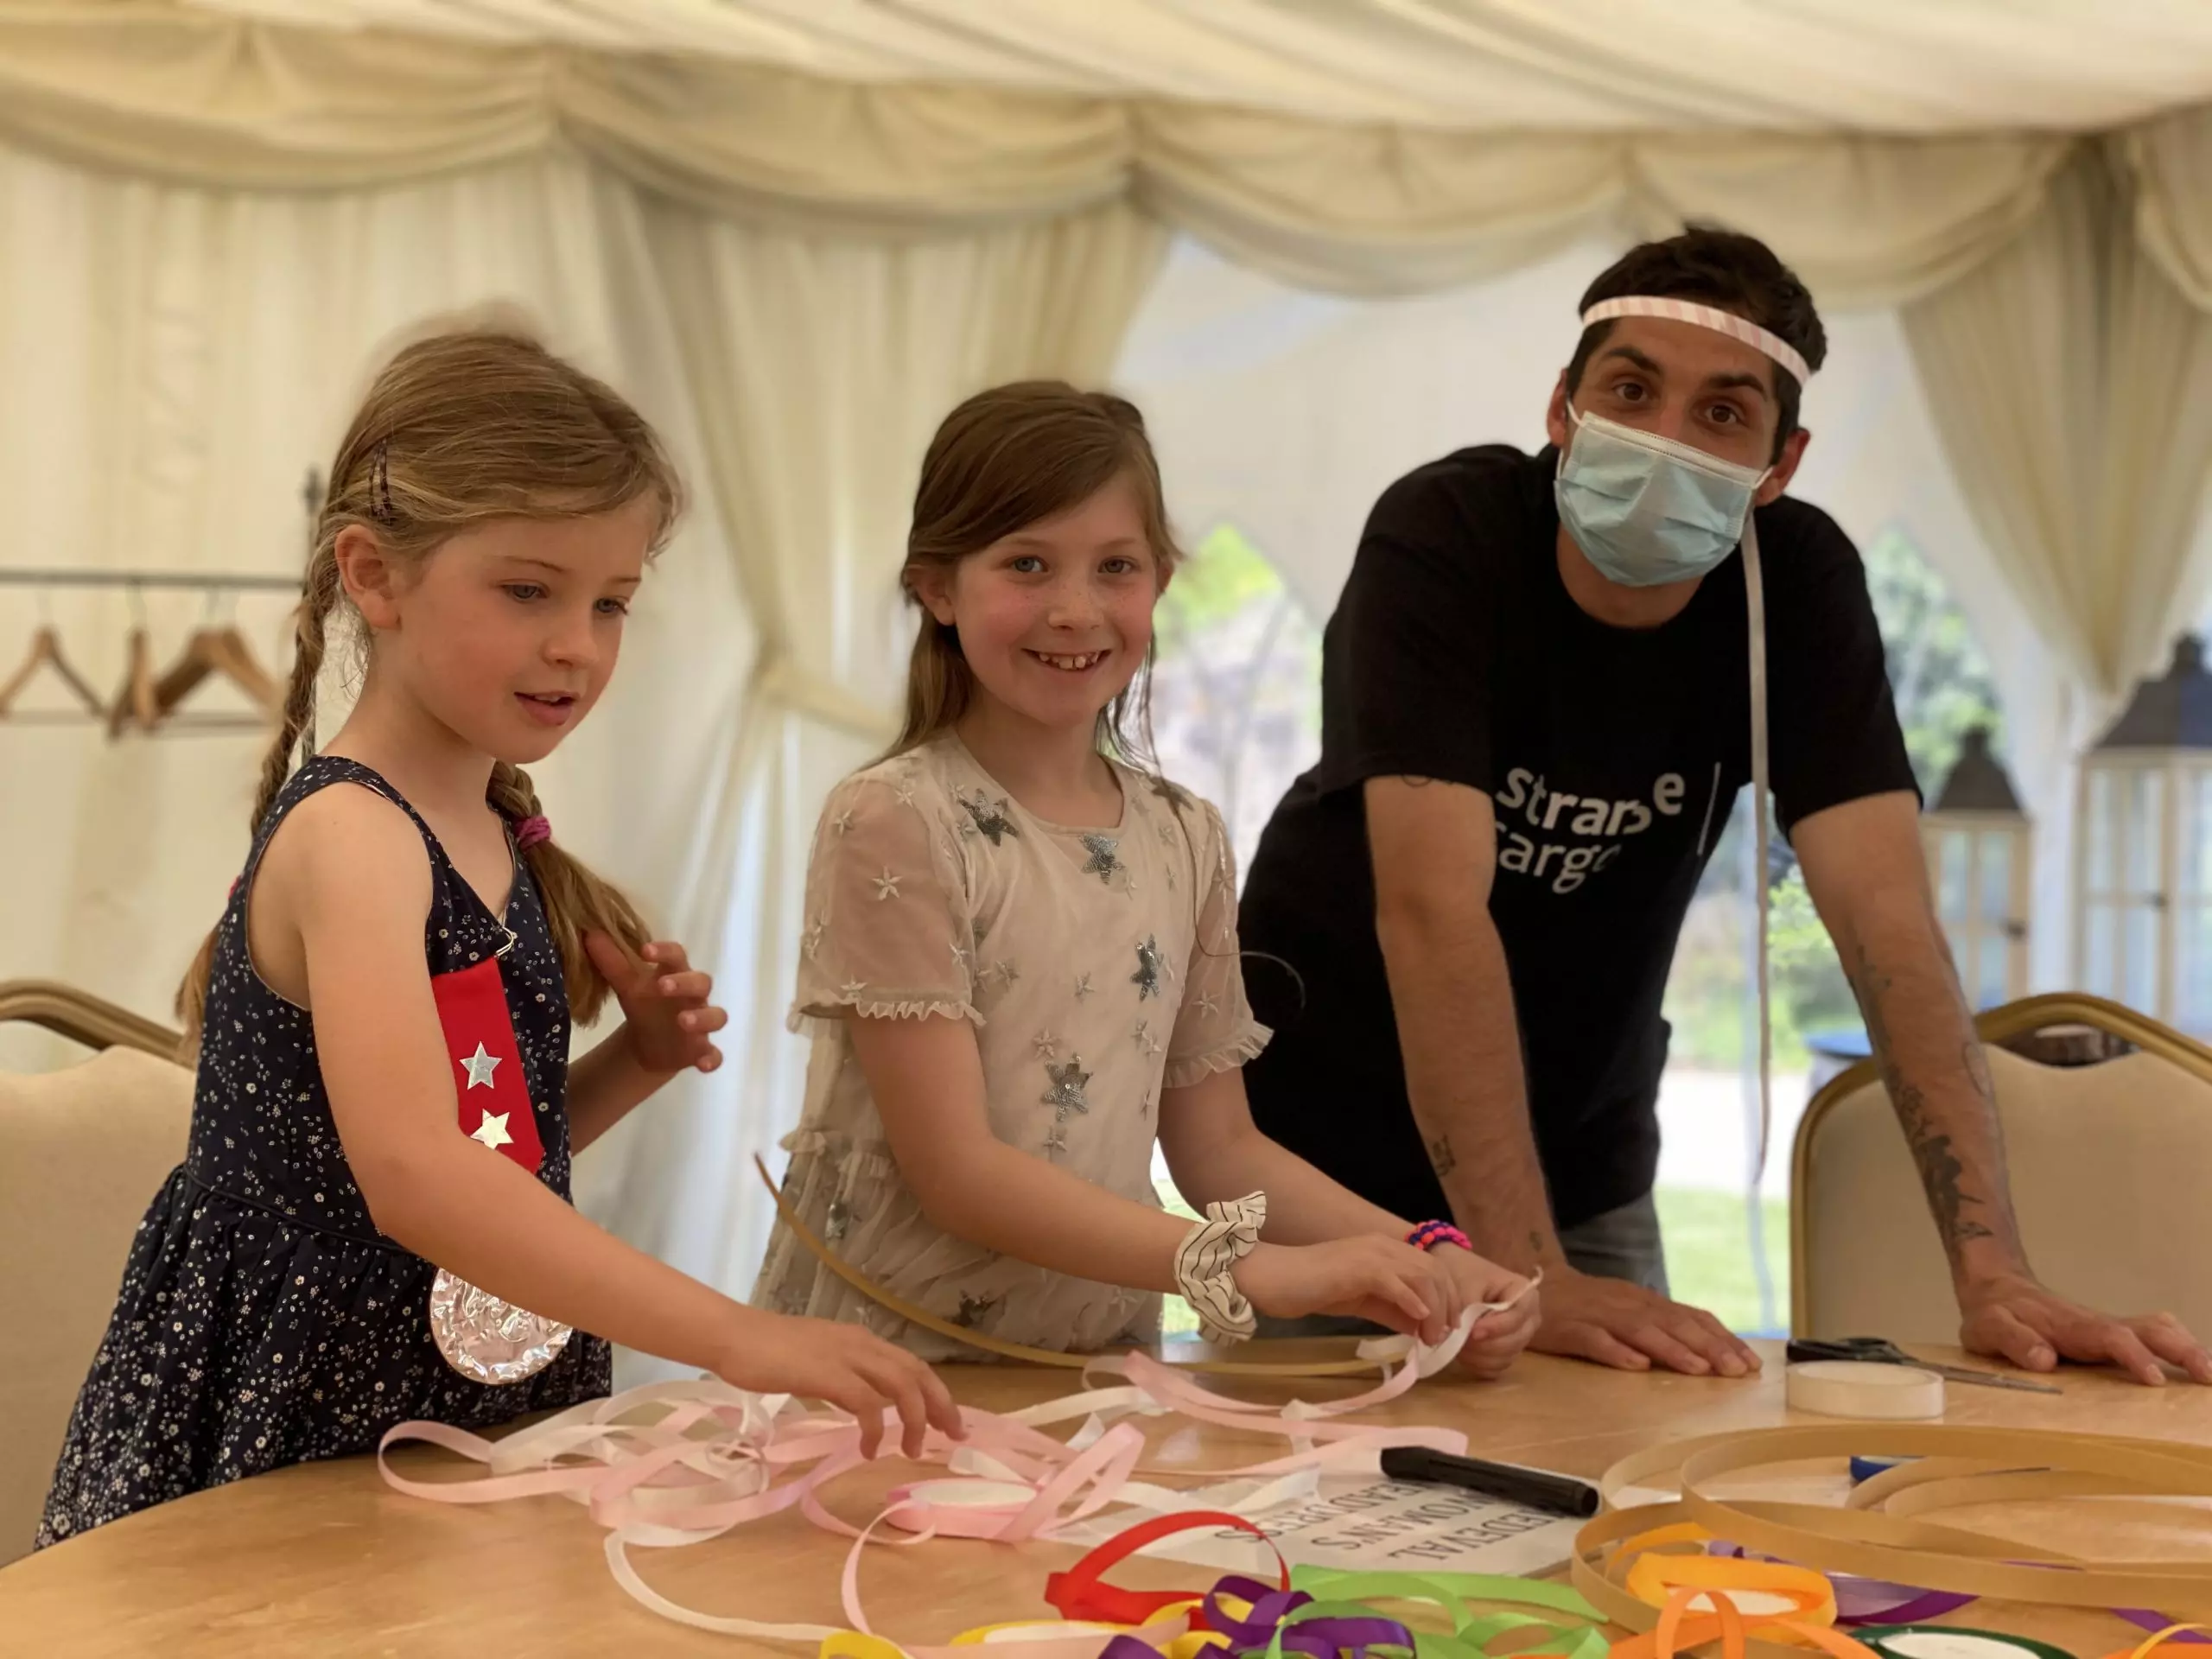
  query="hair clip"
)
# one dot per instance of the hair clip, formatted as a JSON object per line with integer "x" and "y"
{"x": 380, "y": 485}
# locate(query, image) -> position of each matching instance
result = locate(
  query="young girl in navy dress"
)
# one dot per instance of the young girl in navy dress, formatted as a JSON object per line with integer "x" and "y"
{"x": 384, "y": 1010}
{"x": 1020, "y": 963}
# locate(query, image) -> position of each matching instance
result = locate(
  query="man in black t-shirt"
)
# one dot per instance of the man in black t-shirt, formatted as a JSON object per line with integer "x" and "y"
{"x": 1535, "y": 719}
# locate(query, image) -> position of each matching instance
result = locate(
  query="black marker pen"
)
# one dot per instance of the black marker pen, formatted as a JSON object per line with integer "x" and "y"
{"x": 1532, "y": 1488}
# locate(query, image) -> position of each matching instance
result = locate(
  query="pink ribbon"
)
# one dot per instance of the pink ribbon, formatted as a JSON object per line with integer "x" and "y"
{"x": 675, "y": 1464}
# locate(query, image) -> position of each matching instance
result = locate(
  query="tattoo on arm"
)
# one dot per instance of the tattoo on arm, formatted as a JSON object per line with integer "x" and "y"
{"x": 1441, "y": 1158}
{"x": 1939, "y": 1165}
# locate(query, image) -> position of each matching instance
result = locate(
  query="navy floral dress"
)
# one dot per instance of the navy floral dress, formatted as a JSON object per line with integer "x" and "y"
{"x": 264, "y": 1321}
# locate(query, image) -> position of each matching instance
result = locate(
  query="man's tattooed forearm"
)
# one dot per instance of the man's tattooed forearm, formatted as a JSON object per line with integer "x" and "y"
{"x": 1440, "y": 1156}
{"x": 1938, "y": 1165}
{"x": 1940, "y": 1168}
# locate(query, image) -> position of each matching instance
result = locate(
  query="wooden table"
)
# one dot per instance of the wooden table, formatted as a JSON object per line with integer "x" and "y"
{"x": 324, "y": 1560}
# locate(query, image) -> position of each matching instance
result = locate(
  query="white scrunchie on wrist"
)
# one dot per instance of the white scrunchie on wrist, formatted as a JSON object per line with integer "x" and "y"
{"x": 1203, "y": 1260}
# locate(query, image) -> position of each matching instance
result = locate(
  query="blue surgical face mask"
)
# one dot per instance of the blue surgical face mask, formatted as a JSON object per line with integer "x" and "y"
{"x": 1646, "y": 510}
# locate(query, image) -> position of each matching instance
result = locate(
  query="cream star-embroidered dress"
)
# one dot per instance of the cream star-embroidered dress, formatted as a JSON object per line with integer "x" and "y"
{"x": 1095, "y": 966}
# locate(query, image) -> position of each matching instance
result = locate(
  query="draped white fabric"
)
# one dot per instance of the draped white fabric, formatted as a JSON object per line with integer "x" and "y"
{"x": 2072, "y": 385}
{"x": 1591, "y": 66}
{"x": 1386, "y": 207}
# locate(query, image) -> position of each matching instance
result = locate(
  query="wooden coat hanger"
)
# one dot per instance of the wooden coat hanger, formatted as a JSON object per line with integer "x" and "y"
{"x": 134, "y": 700}
{"x": 214, "y": 649}
{"x": 46, "y": 653}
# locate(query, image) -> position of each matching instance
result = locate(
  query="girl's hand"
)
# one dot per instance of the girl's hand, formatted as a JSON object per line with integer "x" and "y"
{"x": 1369, "y": 1277}
{"x": 1498, "y": 1339}
{"x": 853, "y": 1369}
{"x": 664, "y": 1005}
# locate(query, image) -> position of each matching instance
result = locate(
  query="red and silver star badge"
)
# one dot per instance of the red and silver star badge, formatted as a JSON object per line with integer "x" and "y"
{"x": 488, "y": 1082}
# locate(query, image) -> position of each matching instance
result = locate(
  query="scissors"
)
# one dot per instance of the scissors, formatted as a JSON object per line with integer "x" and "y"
{"x": 1879, "y": 1350}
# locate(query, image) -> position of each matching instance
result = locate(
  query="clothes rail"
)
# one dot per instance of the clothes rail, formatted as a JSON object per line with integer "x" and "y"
{"x": 202, "y": 581}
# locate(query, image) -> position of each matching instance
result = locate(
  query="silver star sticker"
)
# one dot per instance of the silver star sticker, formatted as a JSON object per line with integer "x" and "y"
{"x": 493, "y": 1131}
{"x": 1047, "y": 1046}
{"x": 1105, "y": 858}
{"x": 1149, "y": 966}
{"x": 886, "y": 885}
{"x": 1065, "y": 1095}
{"x": 972, "y": 1309}
{"x": 1083, "y": 987}
{"x": 479, "y": 1066}
{"x": 988, "y": 817}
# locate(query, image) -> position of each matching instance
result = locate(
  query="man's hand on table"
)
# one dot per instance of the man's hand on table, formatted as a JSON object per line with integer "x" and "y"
{"x": 2011, "y": 1318}
{"x": 1626, "y": 1326}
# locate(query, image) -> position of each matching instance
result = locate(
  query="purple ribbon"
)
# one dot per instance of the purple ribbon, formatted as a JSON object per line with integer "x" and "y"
{"x": 2155, "y": 1621}
{"x": 1868, "y": 1601}
{"x": 1318, "y": 1638}
{"x": 1878, "y": 1601}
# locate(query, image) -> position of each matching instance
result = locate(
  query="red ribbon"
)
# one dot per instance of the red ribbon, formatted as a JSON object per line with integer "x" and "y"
{"x": 1080, "y": 1594}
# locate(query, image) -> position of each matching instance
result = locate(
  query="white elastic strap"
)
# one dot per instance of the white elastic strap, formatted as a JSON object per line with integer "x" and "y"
{"x": 1755, "y": 608}
{"x": 1705, "y": 316}
{"x": 1202, "y": 1261}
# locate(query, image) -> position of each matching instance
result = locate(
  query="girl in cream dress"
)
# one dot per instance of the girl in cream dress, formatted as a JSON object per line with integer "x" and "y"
{"x": 1019, "y": 964}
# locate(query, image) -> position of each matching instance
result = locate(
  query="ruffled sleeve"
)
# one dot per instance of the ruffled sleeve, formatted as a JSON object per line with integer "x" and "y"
{"x": 1214, "y": 1028}
{"x": 888, "y": 932}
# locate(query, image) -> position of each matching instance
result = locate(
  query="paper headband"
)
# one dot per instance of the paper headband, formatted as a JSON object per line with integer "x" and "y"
{"x": 1705, "y": 316}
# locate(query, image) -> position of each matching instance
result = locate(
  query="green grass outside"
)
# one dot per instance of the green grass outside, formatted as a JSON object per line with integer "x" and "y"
{"x": 1708, "y": 1257}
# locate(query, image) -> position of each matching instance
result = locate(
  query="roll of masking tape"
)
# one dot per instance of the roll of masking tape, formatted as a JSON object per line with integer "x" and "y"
{"x": 1851, "y": 1388}
{"x": 1946, "y": 1641}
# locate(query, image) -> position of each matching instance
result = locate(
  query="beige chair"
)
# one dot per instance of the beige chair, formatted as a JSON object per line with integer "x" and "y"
{"x": 82, "y": 1150}
{"x": 2111, "y": 1169}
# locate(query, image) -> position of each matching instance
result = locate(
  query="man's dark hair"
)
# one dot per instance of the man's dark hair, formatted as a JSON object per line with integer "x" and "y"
{"x": 1719, "y": 268}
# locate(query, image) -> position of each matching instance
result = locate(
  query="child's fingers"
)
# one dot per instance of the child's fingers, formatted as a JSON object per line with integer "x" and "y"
{"x": 667, "y": 955}
{"x": 702, "y": 1020}
{"x": 900, "y": 1384}
{"x": 944, "y": 1412}
{"x": 711, "y": 1060}
{"x": 607, "y": 955}
{"x": 692, "y": 984}
{"x": 1398, "y": 1289}
{"x": 853, "y": 1394}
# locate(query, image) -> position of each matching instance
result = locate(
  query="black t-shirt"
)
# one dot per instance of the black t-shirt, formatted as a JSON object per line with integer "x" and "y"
{"x": 1612, "y": 756}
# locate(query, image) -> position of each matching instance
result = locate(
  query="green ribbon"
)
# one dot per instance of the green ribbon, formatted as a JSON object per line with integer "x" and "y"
{"x": 1338, "y": 1592}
